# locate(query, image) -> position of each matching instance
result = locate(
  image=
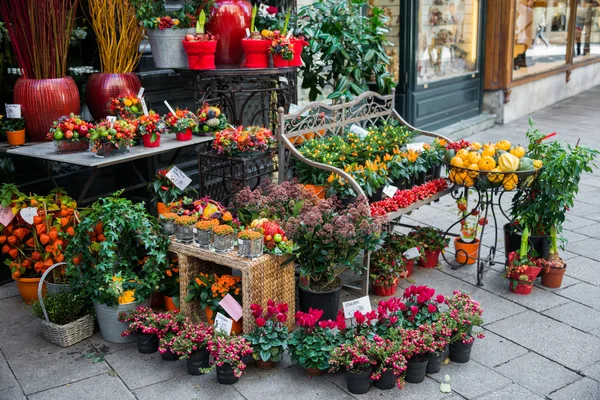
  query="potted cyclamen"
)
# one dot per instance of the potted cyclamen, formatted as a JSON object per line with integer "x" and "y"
{"x": 522, "y": 269}
{"x": 182, "y": 123}
{"x": 269, "y": 337}
{"x": 228, "y": 352}
{"x": 256, "y": 47}
{"x": 191, "y": 343}
{"x": 111, "y": 138}
{"x": 15, "y": 130}
{"x": 390, "y": 363}
{"x": 223, "y": 236}
{"x": 201, "y": 47}
{"x": 184, "y": 228}
{"x": 463, "y": 314}
{"x": 150, "y": 127}
{"x": 204, "y": 234}
{"x": 70, "y": 134}
{"x": 250, "y": 243}
{"x": 143, "y": 322}
{"x": 433, "y": 242}
{"x": 354, "y": 358}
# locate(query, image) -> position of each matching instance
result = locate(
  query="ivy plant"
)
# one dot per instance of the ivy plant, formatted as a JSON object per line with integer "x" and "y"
{"x": 346, "y": 48}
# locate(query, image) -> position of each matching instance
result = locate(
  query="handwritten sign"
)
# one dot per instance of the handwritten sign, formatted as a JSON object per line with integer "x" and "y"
{"x": 111, "y": 120}
{"x": 411, "y": 253}
{"x": 223, "y": 324}
{"x": 144, "y": 106}
{"x": 6, "y": 215}
{"x": 169, "y": 107}
{"x": 140, "y": 93}
{"x": 415, "y": 146}
{"x": 362, "y": 304}
{"x": 13, "y": 110}
{"x": 28, "y": 213}
{"x": 361, "y": 132}
{"x": 390, "y": 190}
{"x": 178, "y": 178}
{"x": 232, "y": 307}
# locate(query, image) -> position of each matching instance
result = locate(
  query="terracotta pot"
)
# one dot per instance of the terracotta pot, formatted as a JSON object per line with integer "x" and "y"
{"x": 147, "y": 139}
{"x": 315, "y": 371}
{"x": 257, "y": 53}
{"x": 265, "y": 364}
{"x": 184, "y": 136}
{"x": 431, "y": 259}
{"x": 317, "y": 190}
{"x": 385, "y": 290}
{"x": 169, "y": 305}
{"x": 279, "y": 62}
{"x": 229, "y": 20}
{"x": 28, "y": 288}
{"x": 298, "y": 45}
{"x": 101, "y": 87}
{"x": 553, "y": 277}
{"x": 43, "y": 101}
{"x": 201, "y": 55}
{"x": 466, "y": 253}
{"x": 237, "y": 326}
{"x": 16, "y": 138}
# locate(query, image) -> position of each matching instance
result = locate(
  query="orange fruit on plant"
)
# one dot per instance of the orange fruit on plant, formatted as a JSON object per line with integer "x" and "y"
{"x": 127, "y": 103}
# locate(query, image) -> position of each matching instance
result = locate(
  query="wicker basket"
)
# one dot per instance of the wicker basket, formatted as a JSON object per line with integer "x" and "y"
{"x": 64, "y": 335}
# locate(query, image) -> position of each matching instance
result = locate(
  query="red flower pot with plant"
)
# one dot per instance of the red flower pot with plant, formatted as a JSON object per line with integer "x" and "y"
{"x": 150, "y": 127}
{"x": 182, "y": 123}
{"x": 522, "y": 269}
{"x": 281, "y": 49}
{"x": 201, "y": 47}
{"x": 269, "y": 337}
{"x": 433, "y": 242}
{"x": 256, "y": 47}
{"x": 298, "y": 44}
{"x": 385, "y": 270}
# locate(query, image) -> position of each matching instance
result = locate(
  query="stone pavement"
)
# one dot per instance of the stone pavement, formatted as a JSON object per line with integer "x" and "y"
{"x": 542, "y": 346}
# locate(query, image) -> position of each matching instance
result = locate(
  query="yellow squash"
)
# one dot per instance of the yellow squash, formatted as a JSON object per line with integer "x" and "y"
{"x": 488, "y": 150}
{"x": 508, "y": 163}
{"x": 475, "y": 146}
{"x": 456, "y": 162}
{"x": 503, "y": 145}
{"x": 473, "y": 157}
{"x": 464, "y": 154}
{"x": 495, "y": 176}
{"x": 518, "y": 151}
{"x": 510, "y": 182}
{"x": 537, "y": 164}
{"x": 486, "y": 163}
{"x": 473, "y": 171}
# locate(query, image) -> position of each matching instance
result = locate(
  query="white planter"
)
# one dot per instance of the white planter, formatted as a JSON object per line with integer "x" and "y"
{"x": 167, "y": 49}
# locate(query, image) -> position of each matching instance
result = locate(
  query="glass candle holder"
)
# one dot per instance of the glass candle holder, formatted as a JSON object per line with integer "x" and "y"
{"x": 203, "y": 238}
{"x": 184, "y": 233}
{"x": 167, "y": 226}
{"x": 223, "y": 243}
{"x": 250, "y": 248}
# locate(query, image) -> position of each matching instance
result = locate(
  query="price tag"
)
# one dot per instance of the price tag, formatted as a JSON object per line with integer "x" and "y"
{"x": 223, "y": 324}
{"x": 232, "y": 307}
{"x": 390, "y": 190}
{"x": 169, "y": 107}
{"x": 6, "y": 215}
{"x": 195, "y": 230}
{"x": 263, "y": 9}
{"x": 140, "y": 93}
{"x": 13, "y": 110}
{"x": 111, "y": 120}
{"x": 289, "y": 35}
{"x": 247, "y": 32}
{"x": 28, "y": 213}
{"x": 144, "y": 106}
{"x": 361, "y": 132}
{"x": 178, "y": 178}
{"x": 362, "y": 304}
{"x": 283, "y": 79}
{"x": 411, "y": 253}
{"x": 415, "y": 146}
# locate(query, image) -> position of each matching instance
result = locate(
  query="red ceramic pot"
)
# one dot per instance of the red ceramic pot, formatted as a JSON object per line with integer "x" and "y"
{"x": 298, "y": 46}
{"x": 279, "y": 62}
{"x": 410, "y": 264}
{"x": 43, "y": 101}
{"x": 257, "y": 53}
{"x": 201, "y": 55}
{"x": 101, "y": 87}
{"x": 385, "y": 290}
{"x": 147, "y": 139}
{"x": 431, "y": 259}
{"x": 229, "y": 20}
{"x": 184, "y": 136}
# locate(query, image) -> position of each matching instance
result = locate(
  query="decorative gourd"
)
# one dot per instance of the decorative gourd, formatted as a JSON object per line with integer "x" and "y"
{"x": 510, "y": 182}
{"x": 495, "y": 176}
{"x": 537, "y": 164}
{"x": 525, "y": 164}
{"x": 473, "y": 171}
{"x": 452, "y": 175}
{"x": 463, "y": 153}
{"x": 518, "y": 151}
{"x": 486, "y": 163}
{"x": 483, "y": 184}
{"x": 488, "y": 150}
{"x": 460, "y": 177}
{"x": 473, "y": 157}
{"x": 503, "y": 145}
{"x": 468, "y": 181}
{"x": 508, "y": 163}
{"x": 448, "y": 155}
{"x": 475, "y": 146}
{"x": 456, "y": 162}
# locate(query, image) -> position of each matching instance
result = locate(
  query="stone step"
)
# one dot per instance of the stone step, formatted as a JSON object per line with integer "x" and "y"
{"x": 468, "y": 127}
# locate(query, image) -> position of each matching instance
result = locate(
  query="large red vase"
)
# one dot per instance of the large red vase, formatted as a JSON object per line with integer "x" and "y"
{"x": 43, "y": 101}
{"x": 229, "y": 20}
{"x": 101, "y": 87}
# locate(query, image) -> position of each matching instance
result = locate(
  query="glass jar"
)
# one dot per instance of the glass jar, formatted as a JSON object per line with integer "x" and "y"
{"x": 203, "y": 237}
{"x": 110, "y": 150}
{"x": 250, "y": 248}
{"x": 223, "y": 243}
{"x": 184, "y": 233}
{"x": 168, "y": 226}
{"x": 71, "y": 146}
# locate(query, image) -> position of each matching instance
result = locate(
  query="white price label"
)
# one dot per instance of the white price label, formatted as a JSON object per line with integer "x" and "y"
{"x": 169, "y": 107}
{"x": 362, "y": 304}
{"x": 289, "y": 35}
{"x": 411, "y": 253}
{"x": 144, "y": 106}
{"x": 361, "y": 132}
{"x": 283, "y": 79}
{"x": 247, "y": 32}
{"x": 28, "y": 213}
{"x": 223, "y": 324}
{"x": 111, "y": 120}
{"x": 178, "y": 178}
{"x": 294, "y": 108}
{"x": 195, "y": 230}
{"x": 390, "y": 190}
{"x": 140, "y": 93}
{"x": 13, "y": 110}
{"x": 6, "y": 215}
{"x": 415, "y": 146}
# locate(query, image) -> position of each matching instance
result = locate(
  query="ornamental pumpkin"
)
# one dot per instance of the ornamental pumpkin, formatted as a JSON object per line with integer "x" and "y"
{"x": 518, "y": 151}
{"x": 473, "y": 171}
{"x": 508, "y": 163}
{"x": 475, "y": 146}
{"x": 503, "y": 145}
{"x": 463, "y": 153}
{"x": 486, "y": 163}
{"x": 510, "y": 182}
{"x": 488, "y": 150}
{"x": 525, "y": 164}
{"x": 537, "y": 164}
{"x": 456, "y": 162}
{"x": 452, "y": 175}
{"x": 460, "y": 177}
{"x": 473, "y": 158}
{"x": 468, "y": 181}
{"x": 495, "y": 176}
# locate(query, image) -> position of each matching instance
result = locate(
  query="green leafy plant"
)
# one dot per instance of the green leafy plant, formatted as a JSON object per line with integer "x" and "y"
{"x": 164, "y": 190}
{"x": 430, "y": 238}
{"x": 62, "y": 307}
{"x": 9, "y": 193}
{"x": 11, "y": 124}
{"x": 269, "y": 338}
{"x": 346, "y": 48}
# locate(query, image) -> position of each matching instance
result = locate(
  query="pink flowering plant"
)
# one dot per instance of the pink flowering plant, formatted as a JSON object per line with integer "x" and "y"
{"x": 192, "y": 339}
{"x": 388, "y": 356}
{"x": 463, "y": 314}
{"x": 269, "y": 338}
{"x": 228, "y": 350}
{"x": 389, "y": 315}
{"x": 141, "y": 320}
{"x": 170, "y": 324}
{"x": 416, "y": 343}
{"x": 353, "y": 356}
{"x": 421, "y": 306}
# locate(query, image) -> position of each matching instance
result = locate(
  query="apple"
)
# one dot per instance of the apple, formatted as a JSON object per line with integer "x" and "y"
{"x": 58, "y": 135}
{"x": 83, "y": 129}
{"x": 104, "y": 133}
{"x": 75, "y": 134}
{"x": 68, "y": 134}
{"x": 189, "y": 37}
{"x": 277, "y": 237}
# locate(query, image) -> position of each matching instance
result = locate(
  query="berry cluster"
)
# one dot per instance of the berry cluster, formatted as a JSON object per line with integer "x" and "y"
{"x": 456, "y": 146}
{"x": 404, "y": 198}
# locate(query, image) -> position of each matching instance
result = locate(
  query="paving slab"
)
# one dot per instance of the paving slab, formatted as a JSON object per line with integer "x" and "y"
{"x": 28, "y": 331}
{"x": 7, "y": 379}
{"x": 557, "y": 341}
{"x": 567, "y": 281}
{"x": 585, "y": 269}
{"x": 494, "y": 350}
{"x": 101, "y": 387}
{"x": 13, "y": 393}
{"x": 589, "y": 247}
{"x": 190, "y": 387}
{"x": 573, "y": 236}
{"x": 68, "y": 365}
{"x": 583, "y": 389}
{"x": 107, "y": 347}
{"x": 512, "y": 392}
{"x": 8, "y": 290}
{"x": 583, "y": 293}
{"x": 593, "y": 372}
{"x": 583, "y": 209}
{"x": 590, "y": 230}
{"x": 526, "y": 371}
{"x": 576, "y": 315}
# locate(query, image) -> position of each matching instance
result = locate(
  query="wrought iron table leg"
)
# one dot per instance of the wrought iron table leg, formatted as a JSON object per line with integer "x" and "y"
{"x": 482, "y": 262}
{"x": 87, "y": 185}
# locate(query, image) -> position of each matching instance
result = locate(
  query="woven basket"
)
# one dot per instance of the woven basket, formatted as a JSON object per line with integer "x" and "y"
{"x": 64, "y": 335}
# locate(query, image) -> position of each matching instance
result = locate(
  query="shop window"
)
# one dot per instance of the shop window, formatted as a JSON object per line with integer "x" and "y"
{"x": 541, "y": 36}
{"x": 447, "y": 43}
{"x": 587, "y": 30}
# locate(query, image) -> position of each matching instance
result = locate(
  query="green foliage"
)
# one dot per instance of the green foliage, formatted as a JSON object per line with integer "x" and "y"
{"x": 9, "y": 193}
{"x": 62, "y": 307}
{"x": 346, "y": 50}
{"x": 312, "y": 349}
{"x": 12, "y": 124}
{"x": 269, "y": 342}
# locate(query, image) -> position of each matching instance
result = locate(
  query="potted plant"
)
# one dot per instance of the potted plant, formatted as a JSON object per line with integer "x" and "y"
{"x": 385, "y": 270}
{"x": 125, "y": 106}
{"x": 275, "y": 239}
{"x": 167, "y": 222}
{"x": 433, "y": 242}
{"x": 441, "y": 334}
{"x": 70, "y": 134}
{"x": 467, "y": 244}
{"x": 169, "y": 287}
{"x": 256, "y": 47}
{"x": 244, "y": 141}
{"x": 390, "y": 363}
{"x": 355, "y": 358}
{"x": 421, "y": 307}
{"x": 201, "y": 47}
{"x": 150, "y": 127}
{"x": 164, "y": 192}
{"x": 250, "y": 243}
{"x": 169, "y": 324}
{"x": 270, "y": 336}
{"x": 144, "y": 324}
{"x": 223, "y": 236}
{"x": 184, "y": 228}
{"x": 210, "y": 119}
{"x": 15, "y": 130}
{"x": 462, "y": 315}
{"x": 111, "y": 139}
{"x": 112, "y": 279}
{"x": 191, "y": 343}
{"x": 228, "y": 352}
{"x": 203, "y": 235}
{"x": 417, "y": 343}
{"x": 522, "y": 268}
{"x": 281, "y": 49}
{"x": 182, "y": 123}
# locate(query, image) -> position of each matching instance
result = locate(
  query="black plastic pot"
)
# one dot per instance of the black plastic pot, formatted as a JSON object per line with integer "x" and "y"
{"x": 147, "y": 344}
{"x": 377, "y": 196}
{"x": 198, "y": 360}
{"x": 358, "y": 382}
{"x": 400, "y": 183}
{"x": 387, "y": 381}
{"x": 225, "y": 375}
{"x": 416, "y": 369}
{"x": 435, "y": 361}
{"x": 420, "y": 179}
{"x": 169, "y": 356}
{"x": 512, "y": 242}
{"x": 460, "y": 352}
{"x": 326, "y": 301}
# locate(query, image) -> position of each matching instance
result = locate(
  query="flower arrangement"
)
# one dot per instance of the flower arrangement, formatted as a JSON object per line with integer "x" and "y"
{"x": 275, "y": 240}
{"x": 353, "y": 356}
{"x": 210, "y": 289}
{"x": 164, "y": 190}
{"x": 120, "y": 134}
{"x": 249, "y": 234}
{"x": 191, "y": 339}
{"x": 269, "y": 337}
{"x": 223, "y": 230}
{"x": 125, "y": 107}
{"x": 68, "y": 127}
{"x": 207, "y": 225}
{"x": 151, "y": 124}
{"x": 211, "y": 119}
{"x": 430, "y": 238}
{"x": 181, "y": 120}
{"x": 463, "y": 314}
{"x": 186, "y": 220}
{"x": 421, "y": 307}
{"x": 229, "y": 350}
{"x": 232, "y": 141}
{"x": 281, "y": 46}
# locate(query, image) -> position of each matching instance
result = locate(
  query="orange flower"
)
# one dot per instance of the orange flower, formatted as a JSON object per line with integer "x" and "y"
{"x": 198, "y": 281}
{"x": 227, "y": 216}
{"x": 169, "y": 273}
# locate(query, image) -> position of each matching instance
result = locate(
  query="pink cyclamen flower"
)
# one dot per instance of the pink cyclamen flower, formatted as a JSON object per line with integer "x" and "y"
{"x": 431, "y": 308}
{"x": 260, "y": 322}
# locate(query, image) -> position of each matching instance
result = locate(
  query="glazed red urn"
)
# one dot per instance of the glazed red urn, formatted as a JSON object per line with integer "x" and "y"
{"x": 101, "y": 87}
{"x": 229, "y": 20}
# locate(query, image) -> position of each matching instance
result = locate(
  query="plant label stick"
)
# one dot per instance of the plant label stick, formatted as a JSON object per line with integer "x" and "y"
{"x": 179, "y": 178}
{"x": 6, "y": 215}
{"x": 140, "y": 93}
{"x": 390, "y": 190}
{"x": 13, "y": 110}
{"x": 111, "y": 120}
{"x": 169, "y": 107}
{"x": 28, "y": 213}
{"x": 232, "y": 307}
{"x": 247, "y": 32}
{"x": 144, "y": 106}
{"x": 361, "y": 132}
{"x": 223, "y": 324}
{"x": 411, "y": 253}
{"x": 362, "y": 304}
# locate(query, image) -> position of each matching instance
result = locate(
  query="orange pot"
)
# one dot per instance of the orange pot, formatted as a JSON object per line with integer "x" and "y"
{"x": 169, "y": 305}
{"x": 28, "y": 288}
{"x": 16, "y": 138}
{"x": 318, "y": 191}
{"x": 237, "y": 326}
{"x": 468, "y": 253}
{"x": 162, "y": 208}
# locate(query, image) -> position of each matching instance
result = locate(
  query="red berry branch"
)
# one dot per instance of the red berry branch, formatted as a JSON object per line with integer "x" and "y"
{"x": 404, "y": 198}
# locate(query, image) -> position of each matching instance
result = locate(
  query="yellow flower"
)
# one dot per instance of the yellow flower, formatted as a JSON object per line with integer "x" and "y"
{"x": 175, "y": 22}
{"x": 387, "y": 157}
{"x": 331, "y": 178}
{"x": 396, "y": 150}
{"x": 116, "y": 279}
{"x": 426, "y": 146}
{"x": 128, "y": 296}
